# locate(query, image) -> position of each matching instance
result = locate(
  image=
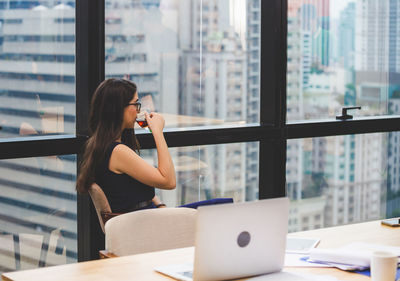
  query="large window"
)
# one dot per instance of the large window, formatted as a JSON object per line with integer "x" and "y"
{"x": 342, "y": 179}
{"x": 38, "y": 202}
{"x": 37, "y": 68}
{"x": 342, "y": 53}
{"x": 227, "y": 75}
{"x": 38, "y": 212}
{"x": 197, "y": 62}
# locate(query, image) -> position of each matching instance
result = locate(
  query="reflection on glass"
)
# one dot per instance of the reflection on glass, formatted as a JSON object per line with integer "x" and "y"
{"x": 342, "y": 53}
{"x": 37, "y": 212}
{"x": 37, "y": 68}
{"x": 343, "y": 179}
{"x": 197, "y": 62}
{"x": 212, "y": 171}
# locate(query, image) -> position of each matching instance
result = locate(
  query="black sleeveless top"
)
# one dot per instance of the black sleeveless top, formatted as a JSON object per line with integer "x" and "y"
{"x": 122, "y": 191}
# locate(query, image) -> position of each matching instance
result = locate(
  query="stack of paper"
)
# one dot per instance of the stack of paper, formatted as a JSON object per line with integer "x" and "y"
{"x": 355, "y": 256}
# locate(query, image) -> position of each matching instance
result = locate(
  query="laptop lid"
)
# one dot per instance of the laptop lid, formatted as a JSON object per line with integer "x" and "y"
{"x": 242, "y": 239}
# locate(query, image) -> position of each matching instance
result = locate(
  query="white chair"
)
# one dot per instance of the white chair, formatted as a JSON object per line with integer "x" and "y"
{"x": 150, "y": 230}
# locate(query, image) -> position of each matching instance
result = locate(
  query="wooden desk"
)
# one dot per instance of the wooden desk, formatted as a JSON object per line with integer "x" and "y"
{"x": 140, "y": 267}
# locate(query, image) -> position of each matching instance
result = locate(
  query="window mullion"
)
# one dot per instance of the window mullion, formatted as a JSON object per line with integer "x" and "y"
{"x": 273, "y": 97}
{"x": 89, "y": 73}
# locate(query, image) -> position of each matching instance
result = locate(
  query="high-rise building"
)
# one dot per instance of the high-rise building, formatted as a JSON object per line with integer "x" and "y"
{"x": 393, "y": 158}
{"x": 141, "y": 48}
{"x": 347, "y": 171}
{"x": 294, "y": 99}
{"x": 377, "y": 62}
{"x": 306, "y": 214}
{"x": 394, "y": 148}
{"x": 38, "y": 48}
{"x": 394, "y": 41}
{"x": 212, "y": 49}
{"x": 346, "y": 36}
{"x": 372, "y": 36}
{"x": 312, "y": 20}
{"x": 253, "y": 93}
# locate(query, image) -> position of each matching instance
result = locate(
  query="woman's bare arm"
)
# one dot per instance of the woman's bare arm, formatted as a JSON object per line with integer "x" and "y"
{"x": 125, "y": 160}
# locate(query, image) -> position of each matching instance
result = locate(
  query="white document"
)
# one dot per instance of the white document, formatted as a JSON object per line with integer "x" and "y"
{"x": 300, "y": 260}
{"x": 182, "y": 272}
{"x": 354, "y": 256}
{"x": 300, "y": 245}
{"x": 372, "y": 247}
{"x": 343, "y": 256}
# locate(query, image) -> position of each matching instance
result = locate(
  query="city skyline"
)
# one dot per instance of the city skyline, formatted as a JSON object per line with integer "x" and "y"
{"x": 195, "y": 62}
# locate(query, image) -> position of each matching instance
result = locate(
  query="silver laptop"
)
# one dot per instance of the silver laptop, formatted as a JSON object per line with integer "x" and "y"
{"x": 236, "y": 240}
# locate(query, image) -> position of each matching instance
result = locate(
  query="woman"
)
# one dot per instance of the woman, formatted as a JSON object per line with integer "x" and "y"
{"x": 111, "y": 157}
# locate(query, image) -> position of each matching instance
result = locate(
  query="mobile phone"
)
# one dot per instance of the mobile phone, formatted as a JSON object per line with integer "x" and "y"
{"x": 391, "y": 222}
{"x": 300, "y": 245}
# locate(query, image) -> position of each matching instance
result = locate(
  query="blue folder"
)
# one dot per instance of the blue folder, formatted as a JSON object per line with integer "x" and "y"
{"x": 213, "y": 201}
{"x": 367, "y": 272}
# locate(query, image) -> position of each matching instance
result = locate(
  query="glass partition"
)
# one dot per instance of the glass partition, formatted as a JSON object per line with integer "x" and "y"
{"x": 38, "y": 220}
{"x": 342, "y": 53}
{"x": 342, "y": 179}
{"x": 197, "y": 62}
{"x": 37, "y": 68}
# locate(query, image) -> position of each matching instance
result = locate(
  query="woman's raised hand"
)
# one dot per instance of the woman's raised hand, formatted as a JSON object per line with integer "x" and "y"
{"x": 155, "y": 121}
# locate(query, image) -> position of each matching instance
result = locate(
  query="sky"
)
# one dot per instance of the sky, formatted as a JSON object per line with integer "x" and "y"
{"x": 336, "y": 6}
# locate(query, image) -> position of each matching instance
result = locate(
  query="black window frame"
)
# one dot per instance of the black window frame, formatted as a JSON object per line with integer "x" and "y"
{"x": 271, "y": 133}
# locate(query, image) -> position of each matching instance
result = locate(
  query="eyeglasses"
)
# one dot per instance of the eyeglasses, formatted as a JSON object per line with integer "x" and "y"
{"x": 137, "y": 104}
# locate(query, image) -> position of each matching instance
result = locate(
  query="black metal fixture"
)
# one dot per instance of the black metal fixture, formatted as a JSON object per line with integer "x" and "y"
{"x": 346, "y": 116}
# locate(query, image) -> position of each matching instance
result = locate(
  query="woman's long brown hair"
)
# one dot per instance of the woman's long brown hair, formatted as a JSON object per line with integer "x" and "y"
{"x": 105, "y": 126}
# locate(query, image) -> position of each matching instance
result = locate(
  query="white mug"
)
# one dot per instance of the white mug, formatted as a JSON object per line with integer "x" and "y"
{"x": 383, "y": 266}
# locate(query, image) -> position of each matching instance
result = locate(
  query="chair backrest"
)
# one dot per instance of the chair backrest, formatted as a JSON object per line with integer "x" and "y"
{"x": 151, "y": 230}
{"x": 100, "y": 202}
